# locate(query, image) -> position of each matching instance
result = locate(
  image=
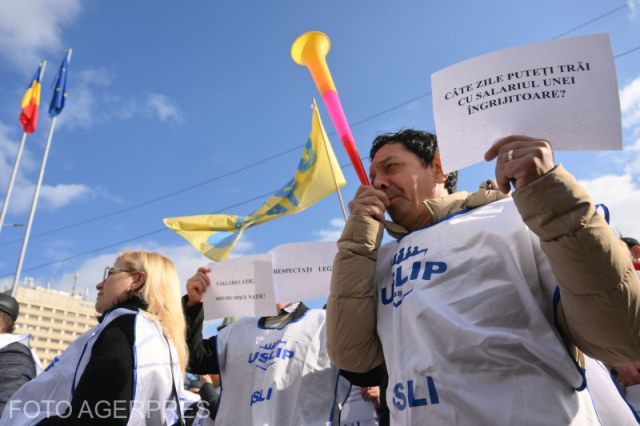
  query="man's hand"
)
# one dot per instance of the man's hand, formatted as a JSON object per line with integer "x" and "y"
{"x": 371, "y": 394}
{"x": 521, "y": 160}
{"x": 369, "y": 201}
{"x": 627, "y": 374}
{"x": 197, "y": 285}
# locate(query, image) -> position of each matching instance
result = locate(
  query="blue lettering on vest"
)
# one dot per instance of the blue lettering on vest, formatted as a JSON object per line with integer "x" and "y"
{"x": 402, "y": 399}
{"x": 395, "y": 294}
{"x": 260, "y": 396}
{"x": 399, "y": 400}
{"x": 54, "y": 362}
{"x": 268, "y": 354}
{"x": 413, "y": 401}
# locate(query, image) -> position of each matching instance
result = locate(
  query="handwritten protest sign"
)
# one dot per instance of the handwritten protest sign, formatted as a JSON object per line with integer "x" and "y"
{"x": 564, "y": 91}
{"x": 302, "y": 271}
{"x": 241, "y": 286}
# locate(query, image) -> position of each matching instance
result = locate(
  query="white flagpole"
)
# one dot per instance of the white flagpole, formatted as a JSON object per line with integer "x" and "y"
{"x": 14, "y": 172}
{"x": 34, "y": 203}
{"x": 36, "y": 193}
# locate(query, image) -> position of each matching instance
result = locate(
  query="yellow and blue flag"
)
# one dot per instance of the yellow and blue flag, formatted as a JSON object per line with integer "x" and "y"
{"x": 318, "y": 175}
{"x": 31, "y": 103}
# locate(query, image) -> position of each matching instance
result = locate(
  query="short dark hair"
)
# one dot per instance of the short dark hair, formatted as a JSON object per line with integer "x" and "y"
{"x": 7, "y": 324}
{"x": 421, "y": 143}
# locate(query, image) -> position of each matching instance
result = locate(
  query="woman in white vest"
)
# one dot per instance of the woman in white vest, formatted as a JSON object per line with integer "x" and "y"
{"x": 126, "y": 369}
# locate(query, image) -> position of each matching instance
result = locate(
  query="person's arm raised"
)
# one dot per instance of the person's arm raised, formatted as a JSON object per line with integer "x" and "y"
{"x": 599, "y": 307}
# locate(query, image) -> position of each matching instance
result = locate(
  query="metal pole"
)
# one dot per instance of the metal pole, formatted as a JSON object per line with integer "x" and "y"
{"x": 14, "y": 172}
{"x": 36, "y": 193}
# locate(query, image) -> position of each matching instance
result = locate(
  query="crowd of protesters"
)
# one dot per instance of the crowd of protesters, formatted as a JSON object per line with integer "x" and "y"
{"x": 485, "y": 308}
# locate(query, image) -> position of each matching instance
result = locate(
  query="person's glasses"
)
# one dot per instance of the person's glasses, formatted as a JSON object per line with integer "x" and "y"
{"x": 109, "y": 270}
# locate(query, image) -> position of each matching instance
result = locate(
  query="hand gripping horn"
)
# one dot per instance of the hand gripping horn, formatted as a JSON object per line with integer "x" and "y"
{"x": 310, "y": 50}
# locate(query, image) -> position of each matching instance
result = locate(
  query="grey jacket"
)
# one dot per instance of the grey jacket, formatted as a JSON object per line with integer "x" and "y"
{"x": 16, "y": 368}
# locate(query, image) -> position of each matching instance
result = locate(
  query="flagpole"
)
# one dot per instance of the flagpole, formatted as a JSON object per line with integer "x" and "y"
{"x": 16, "y": 165}
{"x": 34, "y": 204}
{"x": 5, "y": 203}
{"x": 333, "y": 174}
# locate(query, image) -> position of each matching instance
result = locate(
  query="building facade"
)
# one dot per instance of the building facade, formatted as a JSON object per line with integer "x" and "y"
{"x": 53, "y": 318}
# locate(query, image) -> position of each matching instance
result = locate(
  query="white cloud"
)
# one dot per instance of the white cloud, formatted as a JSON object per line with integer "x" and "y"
{"x": 243, "y": 247}
{"x": 163, "y": 107}
{"x": 82, "y": 105}
{"x": 633, "y": 7}
{"x": 91, "y": 102}
{"x": 635, "y": 147}
{"x": 333, "y": 232}
{"x": 31, "y": 28}
{"x": 630, "y": 103}
{"x": 51, "y": 196}
{"x": 62, "y": 194}
{"x": 622, "y": 196}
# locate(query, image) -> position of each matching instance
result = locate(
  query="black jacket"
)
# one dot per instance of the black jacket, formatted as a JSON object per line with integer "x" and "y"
{"x": 16, "y": 368}
{"x": 108, "y": 375}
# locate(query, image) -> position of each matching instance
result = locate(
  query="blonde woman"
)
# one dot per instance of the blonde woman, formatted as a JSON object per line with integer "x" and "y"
{"x": 125, "y": 370}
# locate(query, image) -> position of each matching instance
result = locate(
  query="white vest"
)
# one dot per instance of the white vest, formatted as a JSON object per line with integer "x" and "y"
{"x": 273, "y": 376}
{"x": 466, "y": 320}
{"x": 7, "y": 339}
{"x": 611, "y": 407}
{"x": 51, "y": 392}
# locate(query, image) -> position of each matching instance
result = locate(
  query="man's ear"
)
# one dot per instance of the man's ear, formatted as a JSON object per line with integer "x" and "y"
{"x": 440, "y": 176}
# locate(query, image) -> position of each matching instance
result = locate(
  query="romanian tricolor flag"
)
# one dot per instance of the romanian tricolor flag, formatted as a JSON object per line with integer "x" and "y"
{"x": 31, "y": 103}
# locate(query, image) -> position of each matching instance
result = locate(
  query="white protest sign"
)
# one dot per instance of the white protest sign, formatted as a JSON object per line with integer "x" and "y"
{"x": 302, "y": 271}
{"x": 564, "y": 91}
{"x": 356, "y": 410}
{"x": 241, "y": 286}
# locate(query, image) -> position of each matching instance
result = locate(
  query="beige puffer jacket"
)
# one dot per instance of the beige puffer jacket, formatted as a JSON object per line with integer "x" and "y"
{"x": 599, "y": 310}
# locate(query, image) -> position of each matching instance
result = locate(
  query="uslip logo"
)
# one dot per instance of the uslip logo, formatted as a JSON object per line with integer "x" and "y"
{"x": 268, "y": 354}
{"x": 403, "y": 273}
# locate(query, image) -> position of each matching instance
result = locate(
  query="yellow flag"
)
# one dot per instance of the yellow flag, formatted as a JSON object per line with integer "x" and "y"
{"x": 318, "y": 175}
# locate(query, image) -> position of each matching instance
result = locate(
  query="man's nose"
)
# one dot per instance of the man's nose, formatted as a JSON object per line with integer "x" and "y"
{"x": 380, "y": 183}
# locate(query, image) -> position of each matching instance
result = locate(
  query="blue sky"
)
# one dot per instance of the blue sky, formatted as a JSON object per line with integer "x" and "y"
{"x": 165, "y": 96}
